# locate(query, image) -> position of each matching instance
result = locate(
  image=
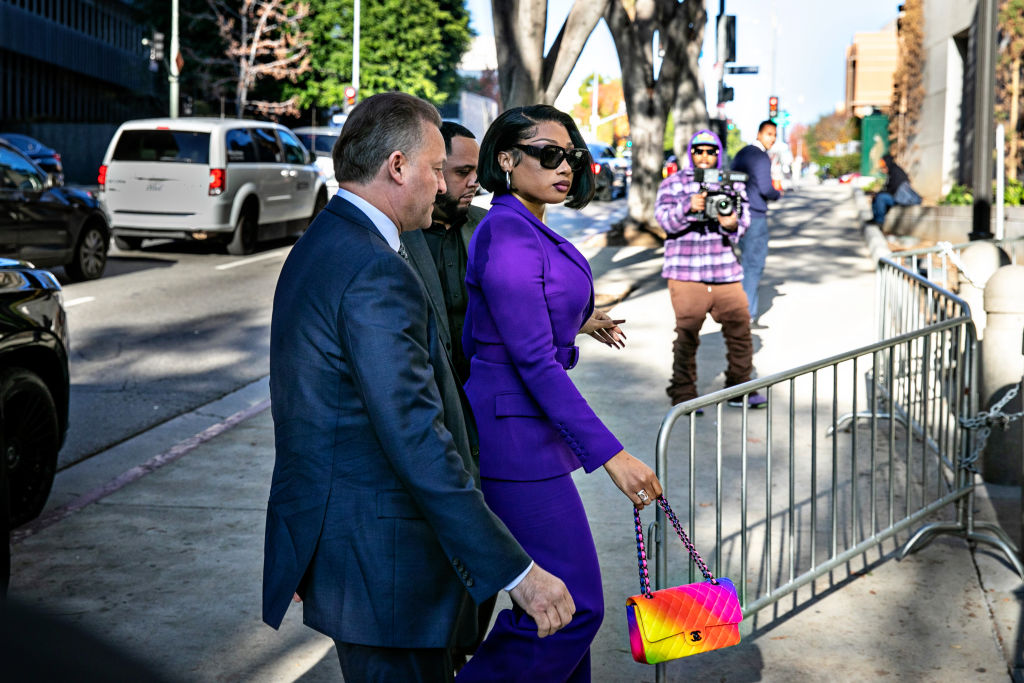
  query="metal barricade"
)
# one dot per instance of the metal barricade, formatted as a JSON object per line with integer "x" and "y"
{"x": 847, "y": 453}
{"x": 940, "y": 262}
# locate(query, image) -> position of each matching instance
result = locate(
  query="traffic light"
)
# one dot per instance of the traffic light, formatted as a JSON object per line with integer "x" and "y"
{"x": 725, "y": 93}
{"x": 773, "y": 107}
{"x": 156, "y": 48}
{"x": 350, "y": 95}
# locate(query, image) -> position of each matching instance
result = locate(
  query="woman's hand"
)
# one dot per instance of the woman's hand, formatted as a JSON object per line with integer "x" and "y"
{"x": 601, "y": 327}
{"x": 632, "y": 477}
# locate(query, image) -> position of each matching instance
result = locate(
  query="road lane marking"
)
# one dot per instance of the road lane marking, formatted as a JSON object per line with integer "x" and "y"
{"x": 80, "y": 300}
{"x": 252, "y": 259}
{"x": 119, "y": 482}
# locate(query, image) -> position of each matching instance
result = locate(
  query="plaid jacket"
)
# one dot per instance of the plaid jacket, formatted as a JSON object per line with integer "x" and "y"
{"x": 695, "y": 250}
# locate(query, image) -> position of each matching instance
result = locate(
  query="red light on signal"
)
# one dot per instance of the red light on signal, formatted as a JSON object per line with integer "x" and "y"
{"x": 350, "y": 94}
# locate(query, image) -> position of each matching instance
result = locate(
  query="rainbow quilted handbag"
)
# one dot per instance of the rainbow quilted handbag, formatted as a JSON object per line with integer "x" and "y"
{"x": 681, "y": 621}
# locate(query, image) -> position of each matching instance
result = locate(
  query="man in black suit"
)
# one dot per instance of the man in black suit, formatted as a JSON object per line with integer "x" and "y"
{"x": 374, "y": 520}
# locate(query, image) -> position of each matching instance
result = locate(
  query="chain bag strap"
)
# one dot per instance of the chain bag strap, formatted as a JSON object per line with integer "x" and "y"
{"x": 641, "y": 550}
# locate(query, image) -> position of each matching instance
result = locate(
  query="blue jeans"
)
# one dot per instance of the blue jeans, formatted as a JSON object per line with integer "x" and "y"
{"x": 880, "y": 205}
{"x": 754, "y": 248}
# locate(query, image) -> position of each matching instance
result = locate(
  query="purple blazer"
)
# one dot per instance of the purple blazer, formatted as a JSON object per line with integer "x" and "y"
{"x": 530, "y": 291}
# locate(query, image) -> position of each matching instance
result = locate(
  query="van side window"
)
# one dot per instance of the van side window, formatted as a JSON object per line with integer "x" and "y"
{"x": 294, "y": 152}
{"x": 266, "y": 144}
{"x": 240, "y": 146}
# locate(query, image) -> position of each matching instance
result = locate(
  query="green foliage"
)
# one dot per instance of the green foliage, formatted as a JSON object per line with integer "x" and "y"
{"x": 408, "y": 45}
{"x": 841, "y": 165}
{"x": 733, "y": 141}
{"x": 959, "y": 195}
{"x": 1013, "y": 193}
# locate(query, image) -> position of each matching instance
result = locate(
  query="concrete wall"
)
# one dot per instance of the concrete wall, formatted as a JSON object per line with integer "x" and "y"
{"x": 947, "y": 223}
{"x": 935, "y": 150}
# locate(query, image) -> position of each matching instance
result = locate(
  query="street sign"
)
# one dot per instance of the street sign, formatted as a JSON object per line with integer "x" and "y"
{"x": 742, "y": 69}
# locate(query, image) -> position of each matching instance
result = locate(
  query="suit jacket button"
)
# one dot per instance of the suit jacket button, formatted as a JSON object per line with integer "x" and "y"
{"x": 469, "y": 582}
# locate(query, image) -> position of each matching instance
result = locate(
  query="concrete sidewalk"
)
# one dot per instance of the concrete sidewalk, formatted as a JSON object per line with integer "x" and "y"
{"x": 168, "y": 564}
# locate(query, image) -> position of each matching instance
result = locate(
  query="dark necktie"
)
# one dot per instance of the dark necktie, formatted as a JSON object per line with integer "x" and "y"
{"x": 403, "y": 253}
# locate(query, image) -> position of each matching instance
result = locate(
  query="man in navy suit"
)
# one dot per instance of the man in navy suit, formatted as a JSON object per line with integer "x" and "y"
{"x": 375, "y": 520}
{"x": 754, "y": 161}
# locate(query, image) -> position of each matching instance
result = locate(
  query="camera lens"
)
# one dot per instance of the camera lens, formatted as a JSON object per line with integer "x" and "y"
{"x": 723, "y": 206}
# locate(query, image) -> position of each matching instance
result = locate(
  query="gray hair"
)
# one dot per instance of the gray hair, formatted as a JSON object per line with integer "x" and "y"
{"x": 377, "y": 127}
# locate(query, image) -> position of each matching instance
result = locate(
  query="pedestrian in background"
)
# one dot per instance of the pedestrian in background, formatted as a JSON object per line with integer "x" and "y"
{"x": 452, "y": 224}
{"x": 755, "y": 162}
{"x": 530, "y": 295}
{"x": 896, "y": 191}
{"x": 375, "y": 521}
{"x": 703, "y": 272}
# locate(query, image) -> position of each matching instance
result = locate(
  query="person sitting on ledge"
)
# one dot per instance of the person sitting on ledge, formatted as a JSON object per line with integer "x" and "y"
{"x": 896, "y": 191}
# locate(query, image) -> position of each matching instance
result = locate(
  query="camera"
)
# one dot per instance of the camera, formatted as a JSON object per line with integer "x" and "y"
{"x": 723, "y": 200}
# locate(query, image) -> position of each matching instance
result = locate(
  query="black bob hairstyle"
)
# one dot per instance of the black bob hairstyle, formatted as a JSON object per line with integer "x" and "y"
{"x": 518, "y": 124}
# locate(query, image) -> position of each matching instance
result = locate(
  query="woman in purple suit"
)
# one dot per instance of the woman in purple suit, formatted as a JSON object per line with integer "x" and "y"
{"x": 530, "y": 294}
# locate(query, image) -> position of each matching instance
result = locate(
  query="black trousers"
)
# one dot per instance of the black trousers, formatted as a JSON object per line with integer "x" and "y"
{"x": 368, "y": 664}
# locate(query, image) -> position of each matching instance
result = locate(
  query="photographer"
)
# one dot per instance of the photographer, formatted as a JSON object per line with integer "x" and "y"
{"x": 704, "y": 211}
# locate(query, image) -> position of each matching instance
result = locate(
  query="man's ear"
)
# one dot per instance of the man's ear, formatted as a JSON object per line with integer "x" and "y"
{"x": 397, "y": 165}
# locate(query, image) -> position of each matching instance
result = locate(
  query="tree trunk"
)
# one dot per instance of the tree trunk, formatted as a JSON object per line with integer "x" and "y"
{"x": 648, "y": 98}
{"x": 690, "y": 110}
{"x": 1012, "y": 162}
{"x": 525, "y": 75}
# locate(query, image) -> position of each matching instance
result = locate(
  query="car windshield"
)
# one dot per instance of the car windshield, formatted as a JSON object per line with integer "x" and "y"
{"x": 601, "y": 151}
{"x": 176, "y": 146}
{"x": 323, "y": 143}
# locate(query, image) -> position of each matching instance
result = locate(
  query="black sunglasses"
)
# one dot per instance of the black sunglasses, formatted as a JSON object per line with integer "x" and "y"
{"x": 710, "y": 151}
{"x": 551, "y": 156}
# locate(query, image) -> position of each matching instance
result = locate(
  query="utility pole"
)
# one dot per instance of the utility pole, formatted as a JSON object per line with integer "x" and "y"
{"x": 174, "y": 72}
{"x": 984, "y": 115}
{"x": 355, "y": 49}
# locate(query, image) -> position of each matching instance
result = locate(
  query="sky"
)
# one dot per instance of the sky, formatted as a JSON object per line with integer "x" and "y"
{"x": 810, "y": 43}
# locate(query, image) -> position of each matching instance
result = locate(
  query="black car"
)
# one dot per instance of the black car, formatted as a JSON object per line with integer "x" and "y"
{"x": 45, "y": 157}
{"x": 610, "y": 171}
{"x": 34, "y": 384}
{"x": 49, "y": 225}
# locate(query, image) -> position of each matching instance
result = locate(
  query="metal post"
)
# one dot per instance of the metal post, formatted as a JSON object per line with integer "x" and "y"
{"x": 174, "y": 72}
{"x": 1000, "y": 178}
{"x": 355, "y": 49}
{"x": 984, "y": 113}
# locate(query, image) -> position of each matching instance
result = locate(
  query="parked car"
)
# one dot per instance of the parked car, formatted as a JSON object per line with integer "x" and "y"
{"x": 230, "y": 180}
{"x": 34, "y": 384}
{"x": 320, "y": 141}
{"x": 45, "y": 157}
{"x": 610, "y": 171}
{"x": 47, "y": 224}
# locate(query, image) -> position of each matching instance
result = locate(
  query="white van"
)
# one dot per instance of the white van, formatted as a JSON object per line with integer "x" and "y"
{"x": 231, "y": 180}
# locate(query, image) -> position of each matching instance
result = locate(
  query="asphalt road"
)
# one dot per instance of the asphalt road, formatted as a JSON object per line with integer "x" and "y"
{"x": 174, "y": 326}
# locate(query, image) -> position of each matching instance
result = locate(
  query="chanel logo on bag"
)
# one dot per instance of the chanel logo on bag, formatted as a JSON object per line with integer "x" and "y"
{"x": 695, "y": 636}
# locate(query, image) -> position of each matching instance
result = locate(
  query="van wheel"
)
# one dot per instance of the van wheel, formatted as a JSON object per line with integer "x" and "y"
{"x": 90, "y": 258}
{"x": 128, "y": 243}
{"x": 31, "y": 439}
{"x": 243, "y": 240}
